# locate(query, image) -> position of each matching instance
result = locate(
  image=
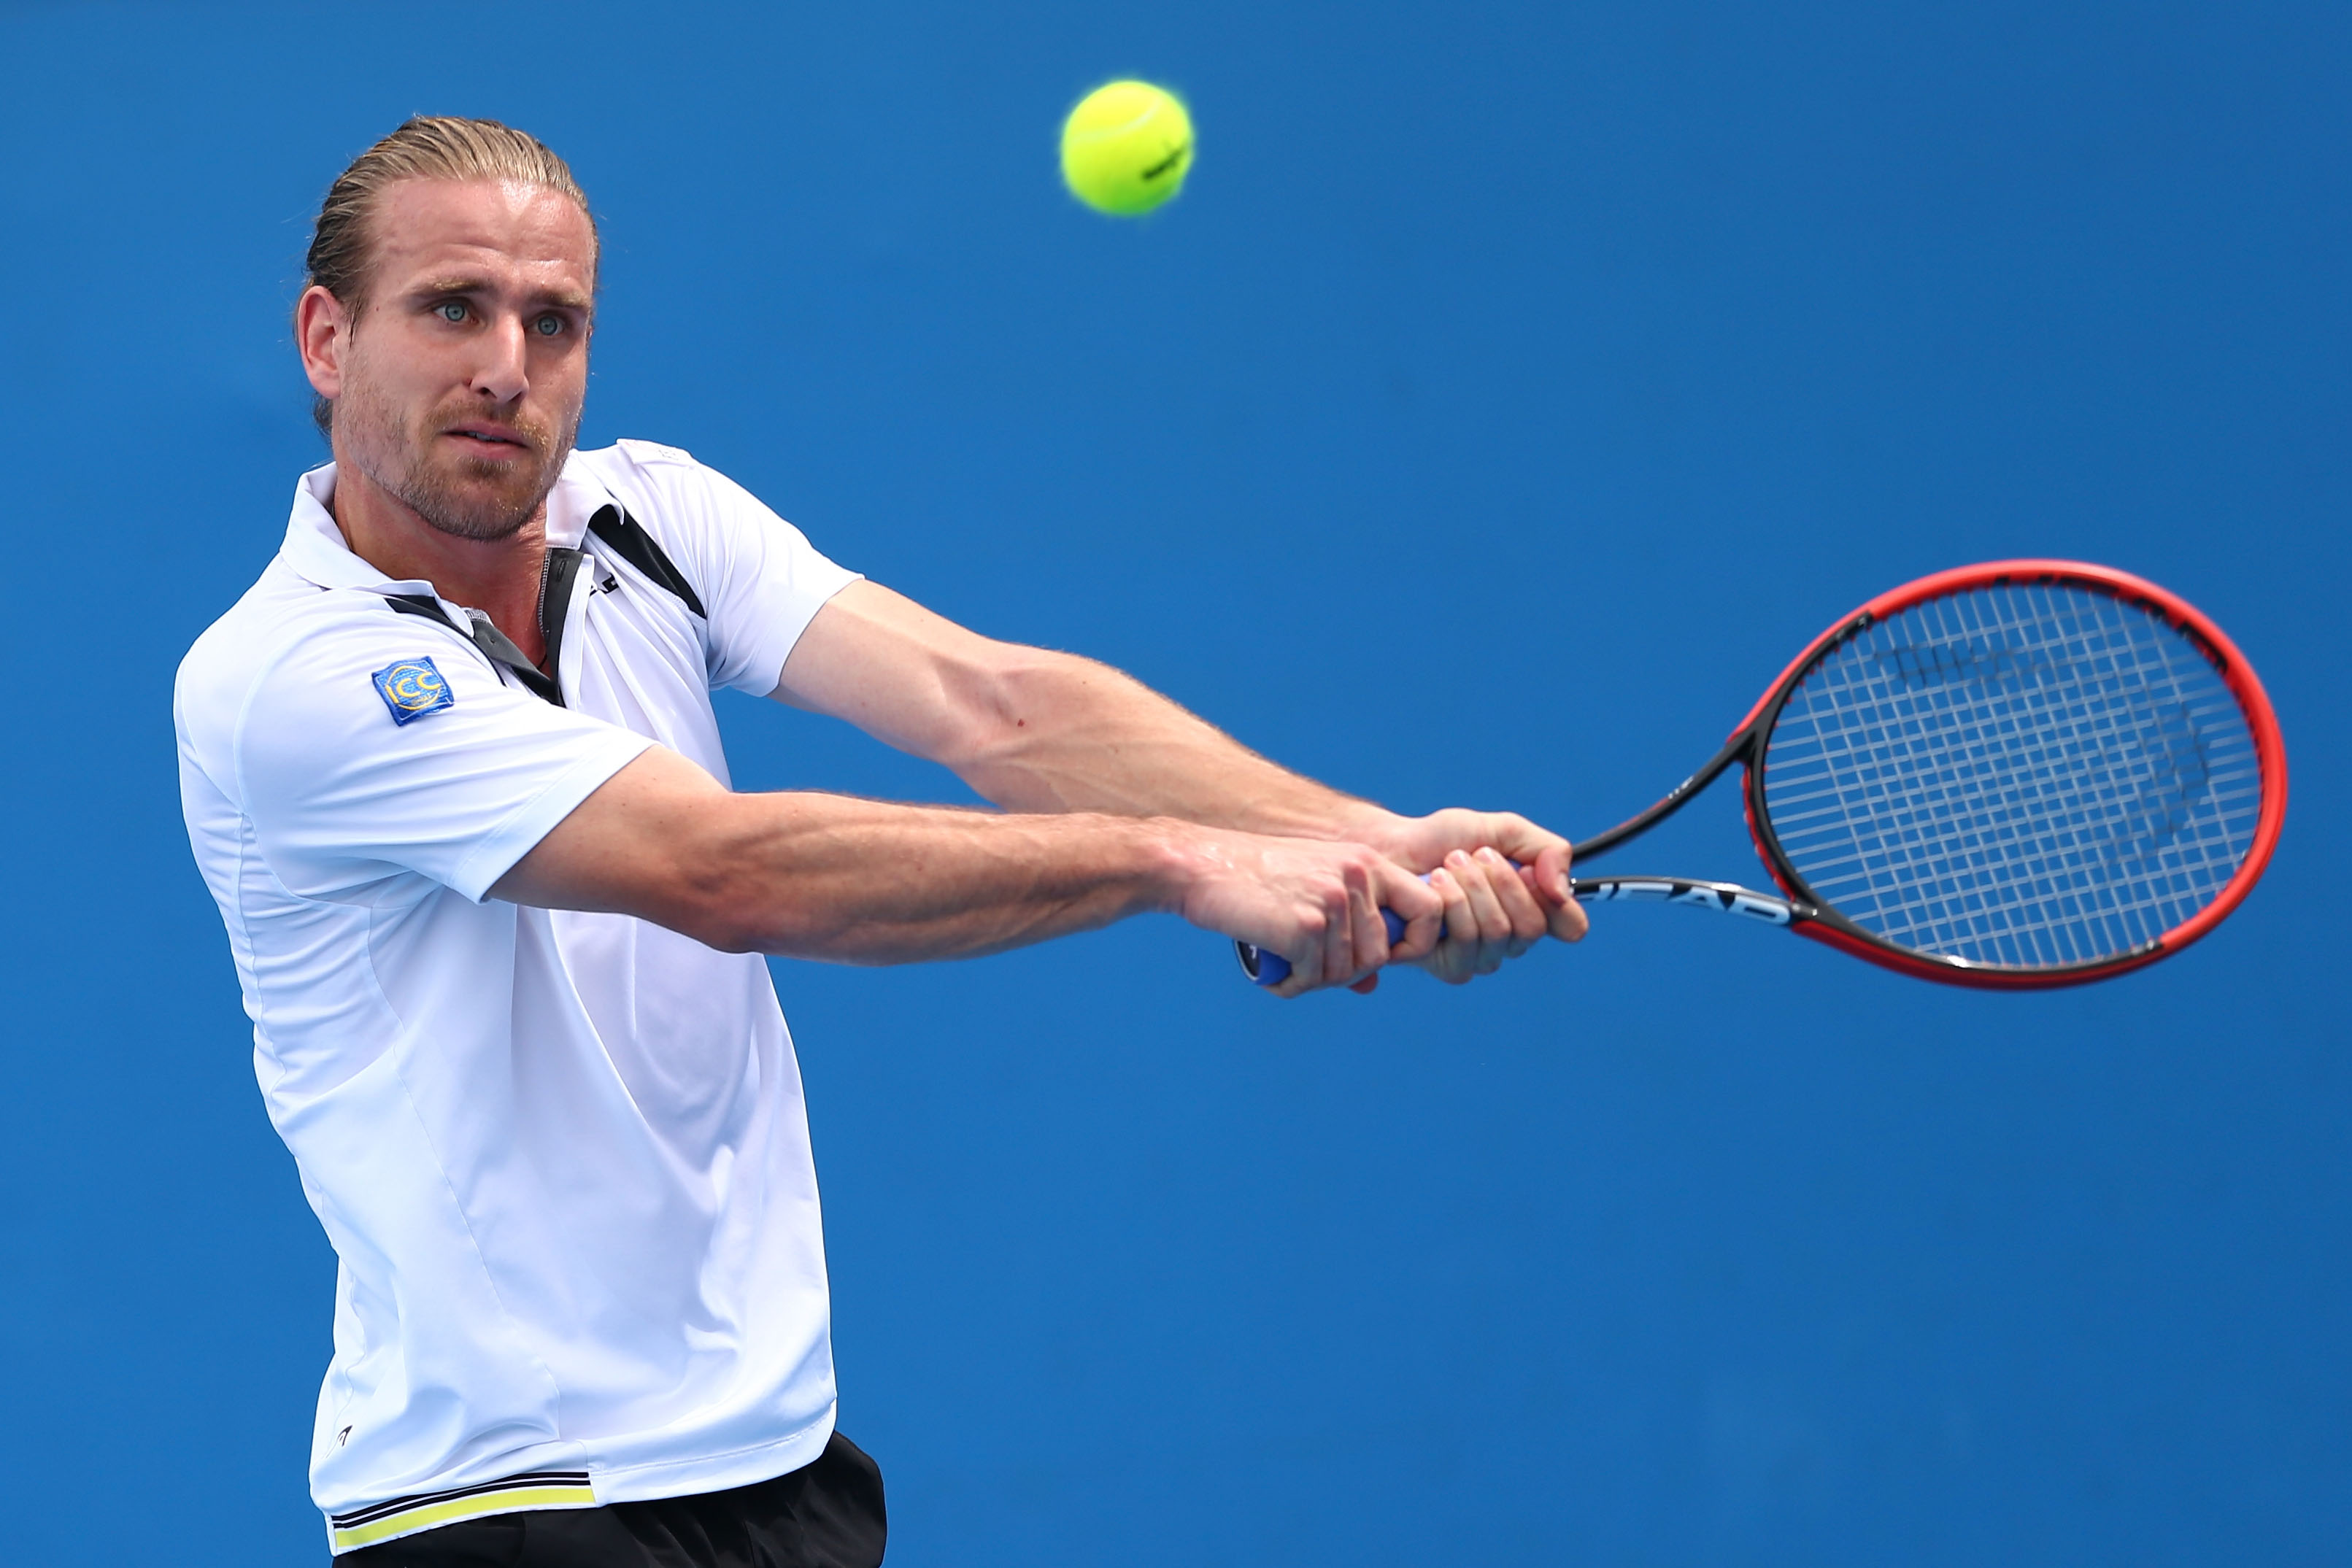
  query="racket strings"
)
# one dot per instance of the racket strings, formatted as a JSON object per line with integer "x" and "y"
{"x": 2021, "y": 774}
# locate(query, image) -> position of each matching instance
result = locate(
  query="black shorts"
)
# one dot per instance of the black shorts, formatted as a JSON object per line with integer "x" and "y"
{"x": 823, "y": 1515}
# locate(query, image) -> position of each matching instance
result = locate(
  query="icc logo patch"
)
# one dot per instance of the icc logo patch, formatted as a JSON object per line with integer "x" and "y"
{"x": 413, "y": 688}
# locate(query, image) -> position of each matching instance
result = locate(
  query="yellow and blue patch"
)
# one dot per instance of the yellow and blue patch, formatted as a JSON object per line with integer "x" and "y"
{"x": 413, "y": 688}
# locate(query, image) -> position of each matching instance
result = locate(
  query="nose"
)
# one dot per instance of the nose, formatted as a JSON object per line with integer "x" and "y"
{"x": 502, "y": 374}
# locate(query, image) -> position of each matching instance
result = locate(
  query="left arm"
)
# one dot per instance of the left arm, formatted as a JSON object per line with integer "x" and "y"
{"x": 1037, "y": 731}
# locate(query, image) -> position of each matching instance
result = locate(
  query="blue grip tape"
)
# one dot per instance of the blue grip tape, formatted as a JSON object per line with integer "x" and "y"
{"x": 1273, "y": 969}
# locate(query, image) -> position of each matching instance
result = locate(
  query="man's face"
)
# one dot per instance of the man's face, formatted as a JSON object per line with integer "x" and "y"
{"x": 459, "y": 389}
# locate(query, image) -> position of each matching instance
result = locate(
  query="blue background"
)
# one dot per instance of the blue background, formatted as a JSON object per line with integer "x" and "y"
{"x": 1510, "y": 393}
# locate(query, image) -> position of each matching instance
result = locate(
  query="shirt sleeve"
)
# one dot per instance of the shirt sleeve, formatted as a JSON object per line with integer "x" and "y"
{"x": 760, "y": 580}
{"x": 348, "y": 780}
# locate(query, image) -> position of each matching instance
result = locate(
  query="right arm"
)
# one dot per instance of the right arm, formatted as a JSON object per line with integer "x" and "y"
{"x": 1035, "y": 730}
{"x": 862, "y": 881}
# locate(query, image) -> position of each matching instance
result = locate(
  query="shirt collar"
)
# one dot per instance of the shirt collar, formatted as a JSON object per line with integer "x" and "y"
{"x": 316, "y": 552}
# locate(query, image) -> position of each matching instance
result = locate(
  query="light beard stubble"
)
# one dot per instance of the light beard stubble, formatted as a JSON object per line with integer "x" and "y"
{"x": 402, "y": 467}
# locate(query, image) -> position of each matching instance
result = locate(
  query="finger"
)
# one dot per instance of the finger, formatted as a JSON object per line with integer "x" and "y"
{"x": 1520, "y": 906}
{"x": 1421, "y": 908}
{"x": 1548, "y": 874}
{"x": 1522, "y": 841}
{"x": 1338, "y": 964}
{"x": 1460, "y": 941}
{"x": 1452, "y": 959}
{"x": 1503, "y": 881}
{"x": 1305, "y": 958}
{"x": 1567, "y": 922}
{"x": 1422, "y": 937}
{"x": 1489, "y": 928}
{"x": 1494, "y": 926}
{"x": 1369, "y": 931}
{"x": 1402, "y": 891}
{"x": 1549, "y": 877}
{"x": 1368, "y": 985}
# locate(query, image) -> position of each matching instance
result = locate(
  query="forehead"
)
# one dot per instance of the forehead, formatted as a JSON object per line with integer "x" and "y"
{"x": 515, "y": 233}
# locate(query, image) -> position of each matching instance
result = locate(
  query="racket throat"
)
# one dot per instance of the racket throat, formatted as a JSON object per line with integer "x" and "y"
{"x": 1740, "y": 744}
{"x": 1722, "y": 898}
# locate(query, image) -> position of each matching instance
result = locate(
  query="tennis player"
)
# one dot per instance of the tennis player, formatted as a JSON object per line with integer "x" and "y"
{"x": 451, "y": 770}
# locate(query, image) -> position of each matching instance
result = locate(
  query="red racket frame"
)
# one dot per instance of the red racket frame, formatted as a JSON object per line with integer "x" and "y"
{"x": 1835, "y": 931}
{"x": 1805, "y": 911}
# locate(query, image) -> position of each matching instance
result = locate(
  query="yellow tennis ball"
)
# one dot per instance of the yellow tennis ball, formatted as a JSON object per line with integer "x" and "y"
{"x": 1126, "y": 147}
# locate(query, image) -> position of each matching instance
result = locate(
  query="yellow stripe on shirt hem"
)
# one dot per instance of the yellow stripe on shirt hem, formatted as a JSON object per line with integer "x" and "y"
{"x": 435, "y": 1514}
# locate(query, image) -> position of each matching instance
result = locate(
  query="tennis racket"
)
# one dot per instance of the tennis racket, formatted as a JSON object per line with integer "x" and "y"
{"x": 2022, "y": 774}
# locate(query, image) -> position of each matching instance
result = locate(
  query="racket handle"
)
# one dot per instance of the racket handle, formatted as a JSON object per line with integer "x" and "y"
{"x": 1729, "y": 898}
{"x": 1273, "y": 969}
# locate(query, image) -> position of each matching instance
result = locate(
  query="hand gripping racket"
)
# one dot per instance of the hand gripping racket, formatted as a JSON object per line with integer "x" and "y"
{"x": 2022, "y": 774}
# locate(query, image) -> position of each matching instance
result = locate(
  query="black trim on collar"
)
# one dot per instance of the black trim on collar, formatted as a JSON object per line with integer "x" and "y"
{"x": 629, "y": 540}
{"x": 633, "y": 544}
{"x": 495, "y": 644}
{"x": 555, "y": 577}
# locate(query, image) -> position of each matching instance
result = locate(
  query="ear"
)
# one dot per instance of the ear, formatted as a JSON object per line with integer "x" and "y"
{"x": 323, "y": 328}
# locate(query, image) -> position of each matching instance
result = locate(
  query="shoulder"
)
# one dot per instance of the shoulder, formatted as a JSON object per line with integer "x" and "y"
{"x": 667, "y": 488}
{"x": 285, "y": 636}
{"x": 222, "y": 662}
{"x": 653, "y": 454}
{"x": 646, "y": 472}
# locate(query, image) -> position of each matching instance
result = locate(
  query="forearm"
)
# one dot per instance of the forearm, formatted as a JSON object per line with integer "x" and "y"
{"x": 1066, "y": 733}
{"x": 1041, "y": 732}
{"x": 803, "y": 876}
{"x": 851, "y": 880}
{"x": 1034, "y": 730}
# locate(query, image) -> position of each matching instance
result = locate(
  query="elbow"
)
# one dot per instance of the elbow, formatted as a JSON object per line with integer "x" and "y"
{"x": 716, "y": 930}
{"x": 733, "y": 911}
{"x": 737, "y": 905}
{"x": 716, "y": 923}
{"x": 749, "y": 878}
{"x": 711, "y": 894}
{"x": 774, "y": 931}
{"x": 980, "y": 722}
{"x": 1008, "y": 705}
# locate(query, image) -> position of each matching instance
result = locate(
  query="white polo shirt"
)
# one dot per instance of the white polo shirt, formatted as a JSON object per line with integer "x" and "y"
{"x": 563, "y": 1157}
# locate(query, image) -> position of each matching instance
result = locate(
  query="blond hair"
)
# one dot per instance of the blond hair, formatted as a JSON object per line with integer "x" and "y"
{"x": 426, "y": 146}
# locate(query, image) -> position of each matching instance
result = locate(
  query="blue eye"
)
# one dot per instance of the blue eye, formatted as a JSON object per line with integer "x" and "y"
{"x": 548, "y": 326}
{"x": 452, "y": 309}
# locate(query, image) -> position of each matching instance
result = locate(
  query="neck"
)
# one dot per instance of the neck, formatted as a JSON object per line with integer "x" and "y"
{"x": 498, "y": 577}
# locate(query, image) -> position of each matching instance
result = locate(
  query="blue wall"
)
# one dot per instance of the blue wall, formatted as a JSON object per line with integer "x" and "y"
{"x": 1511, "y": 392}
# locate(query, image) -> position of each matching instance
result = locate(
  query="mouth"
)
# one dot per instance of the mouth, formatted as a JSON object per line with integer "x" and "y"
{"x": 481, "y": 437}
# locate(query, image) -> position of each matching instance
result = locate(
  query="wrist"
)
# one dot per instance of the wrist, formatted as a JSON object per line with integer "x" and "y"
{"x": 1178, "y": 857}
{"x": 1340, "y": 820}
{"x": 1378, "y": 828}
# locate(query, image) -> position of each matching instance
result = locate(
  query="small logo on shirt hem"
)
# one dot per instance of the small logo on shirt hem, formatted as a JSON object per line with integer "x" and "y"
{"x": 413, "y": 688}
